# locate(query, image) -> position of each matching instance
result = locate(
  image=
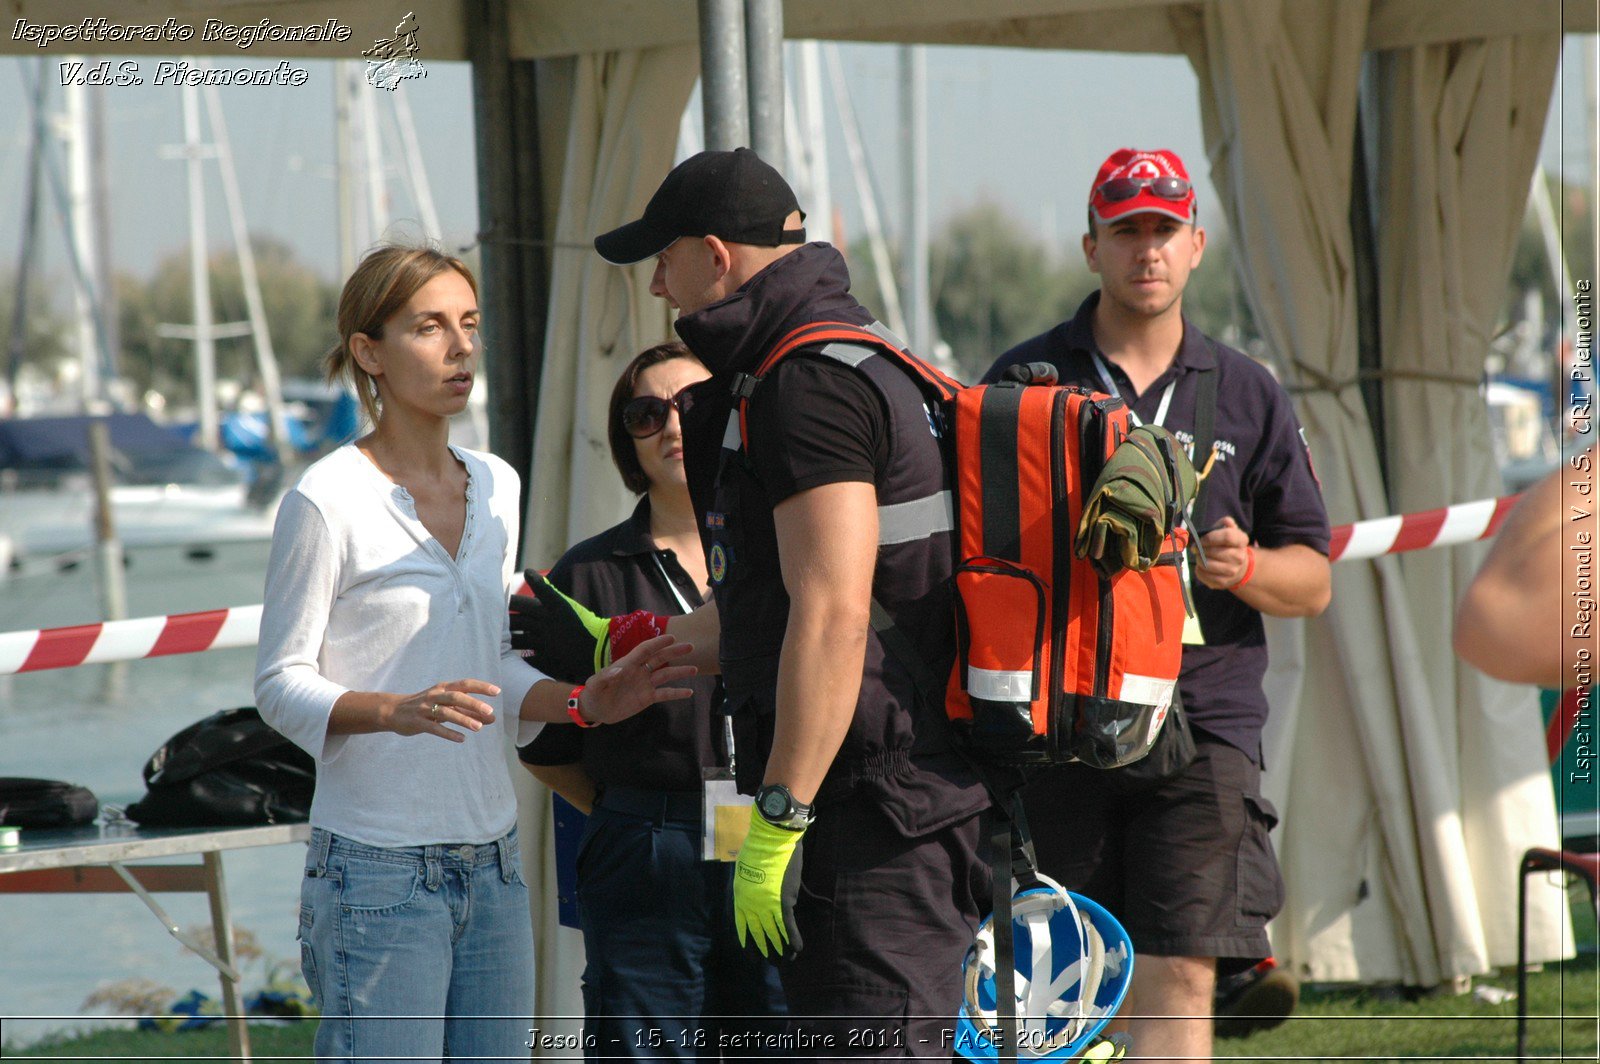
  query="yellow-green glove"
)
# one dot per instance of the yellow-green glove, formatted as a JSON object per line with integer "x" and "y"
{"x": 566, "y": 638}
{"x": 766, "y": 885}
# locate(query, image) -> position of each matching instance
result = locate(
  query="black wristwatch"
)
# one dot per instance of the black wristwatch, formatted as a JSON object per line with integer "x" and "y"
{"x": 778, "y": 807}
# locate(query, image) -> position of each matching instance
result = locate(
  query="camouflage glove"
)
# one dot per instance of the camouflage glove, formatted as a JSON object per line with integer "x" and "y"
{"x": 1140, "y": 496}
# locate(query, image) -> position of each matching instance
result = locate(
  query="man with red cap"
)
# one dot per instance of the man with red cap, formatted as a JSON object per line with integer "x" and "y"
{"x": 1183, "y": 857}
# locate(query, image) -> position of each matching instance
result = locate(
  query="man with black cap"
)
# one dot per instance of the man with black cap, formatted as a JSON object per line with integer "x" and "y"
{"x": 803, "y": 525}
{"x": 1185, "y": 862}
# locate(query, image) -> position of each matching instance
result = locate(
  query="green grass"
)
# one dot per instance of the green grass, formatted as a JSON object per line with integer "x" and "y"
{"x": 1330, "y": 1024}
{"x": 267, "y": 1042}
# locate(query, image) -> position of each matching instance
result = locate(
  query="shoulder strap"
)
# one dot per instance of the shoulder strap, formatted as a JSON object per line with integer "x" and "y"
{"x": 834, "y": 338}
{"x": 1205, "y": 434}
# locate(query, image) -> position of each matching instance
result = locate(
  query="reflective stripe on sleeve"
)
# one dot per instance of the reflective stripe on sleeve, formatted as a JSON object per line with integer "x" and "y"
{"x": 903, "y": 522}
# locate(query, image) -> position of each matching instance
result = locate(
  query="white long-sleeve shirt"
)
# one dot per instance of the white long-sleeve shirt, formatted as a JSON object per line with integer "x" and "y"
{"x": 360, "y": 597}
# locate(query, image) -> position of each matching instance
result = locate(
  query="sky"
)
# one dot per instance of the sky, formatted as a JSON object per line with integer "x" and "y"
{"x": 1024, "y": 128}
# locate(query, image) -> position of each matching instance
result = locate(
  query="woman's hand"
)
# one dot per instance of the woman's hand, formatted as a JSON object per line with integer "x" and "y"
{"x": 428, "y": 712}
{"x": 636, "y": 680}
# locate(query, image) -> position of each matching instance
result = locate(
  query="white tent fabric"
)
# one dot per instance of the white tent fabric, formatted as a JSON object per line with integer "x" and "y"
{"x": 1463, "y": 123}
{"x": 1380, "y": 881}
{"x": 620, "y": 124}
{"x": 621, "y": 133}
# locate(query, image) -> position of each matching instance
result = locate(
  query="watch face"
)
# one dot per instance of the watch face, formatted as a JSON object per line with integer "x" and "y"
{"x": 774, "y": 804}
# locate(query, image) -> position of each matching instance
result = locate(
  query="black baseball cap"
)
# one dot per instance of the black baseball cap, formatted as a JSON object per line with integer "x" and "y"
{"x": 729, "y": 194}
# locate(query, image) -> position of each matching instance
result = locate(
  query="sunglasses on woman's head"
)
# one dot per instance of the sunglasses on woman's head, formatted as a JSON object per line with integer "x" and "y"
{"x": 1125, "y": 188}
{"x": 647, "y": 415}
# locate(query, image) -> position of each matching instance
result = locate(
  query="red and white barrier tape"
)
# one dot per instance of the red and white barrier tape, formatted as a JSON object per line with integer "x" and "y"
{"x": 142, "y": 637}
{"x": 190, "y": 633}
{"x": 1448, "y": 525}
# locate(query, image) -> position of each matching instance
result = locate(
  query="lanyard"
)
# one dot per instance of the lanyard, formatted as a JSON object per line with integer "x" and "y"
{"x": 1111, "y": 389}
{"x": 683, "y": 604}
{"x": 1191, "y": 620}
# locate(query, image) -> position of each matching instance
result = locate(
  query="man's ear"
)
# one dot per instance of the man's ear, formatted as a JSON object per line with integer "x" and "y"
{"x": 365, "y": 351}
{"x": 1199, "y": 247}
{"x": 721, "y": 255}
{"x": 1089, "y": 249}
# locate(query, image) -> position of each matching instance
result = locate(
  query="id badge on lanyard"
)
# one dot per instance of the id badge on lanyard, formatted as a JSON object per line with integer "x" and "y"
{"x": 1192, "y": 633}
{"x": 725, "y": 813}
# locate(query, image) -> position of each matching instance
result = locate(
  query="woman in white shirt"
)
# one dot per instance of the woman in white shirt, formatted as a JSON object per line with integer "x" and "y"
{"x": 385, "y": 653}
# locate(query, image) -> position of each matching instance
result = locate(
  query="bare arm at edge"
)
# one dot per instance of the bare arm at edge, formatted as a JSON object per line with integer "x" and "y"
{"x": 1525, "y": 617}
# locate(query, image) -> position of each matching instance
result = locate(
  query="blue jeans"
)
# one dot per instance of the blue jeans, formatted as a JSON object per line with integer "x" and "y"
{"x": 666, "y": 978}
{"x": 417, "y": 952}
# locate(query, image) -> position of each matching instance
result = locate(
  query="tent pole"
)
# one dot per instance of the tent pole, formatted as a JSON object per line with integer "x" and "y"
{"x": 514, "y": 289}
{"x": 763, "y": 27}
{"x": 722, "y": 67}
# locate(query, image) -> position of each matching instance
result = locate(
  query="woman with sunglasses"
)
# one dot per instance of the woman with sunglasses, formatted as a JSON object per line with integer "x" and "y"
{"x": 385, "y": 653}
{"x": 663, "y": 964}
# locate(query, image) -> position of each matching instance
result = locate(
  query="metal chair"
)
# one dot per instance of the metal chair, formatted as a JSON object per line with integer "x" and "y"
{"x": 1586, "y": 866}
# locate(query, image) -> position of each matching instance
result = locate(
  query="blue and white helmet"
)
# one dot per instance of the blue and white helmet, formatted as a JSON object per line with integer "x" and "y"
{"x": 1073, "y": 963}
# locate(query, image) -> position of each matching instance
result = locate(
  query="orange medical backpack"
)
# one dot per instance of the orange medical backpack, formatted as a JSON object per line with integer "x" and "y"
{"x": 1055, "y": 660}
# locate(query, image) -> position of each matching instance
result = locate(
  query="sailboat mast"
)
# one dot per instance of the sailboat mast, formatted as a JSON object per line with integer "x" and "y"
{"x": 914, "y": 171}
{"x": 33, "y": 207}
{"x": 91, "y": 395}
{"x": 266, "y": 357}
{"x": 205, "y": 352}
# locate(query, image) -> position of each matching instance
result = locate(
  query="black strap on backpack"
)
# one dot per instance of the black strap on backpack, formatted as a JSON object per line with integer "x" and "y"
{"x": 1205, "y": 431}
{"x": 1011, "y": 857}
{"x": 1004, "y": 828}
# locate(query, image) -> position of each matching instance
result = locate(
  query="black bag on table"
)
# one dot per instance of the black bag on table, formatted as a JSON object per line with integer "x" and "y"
{"x": 230, "y": 769}
{"x": 35, "y": 803}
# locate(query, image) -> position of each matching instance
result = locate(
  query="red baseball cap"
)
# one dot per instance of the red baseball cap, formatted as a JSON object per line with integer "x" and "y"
{"x": 1137, "y": 182}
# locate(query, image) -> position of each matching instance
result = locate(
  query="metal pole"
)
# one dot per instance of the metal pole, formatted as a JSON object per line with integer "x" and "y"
{"x": 105, "y": 307}
{"x": 266, "y": 357}
{"x": 415, "y": 170}
{"x": 888, "y": 288}
{"x": 814, "y": 139}
{"x": 763, "y": 37}
{"x": 113, "y": 591}
{"x": 82, "y": 223}
{"x": 372, "y": 161}
{"x": 205, "y": 352}
{"x": 32, "y": 208}
{"x": 914, "y": 171}
{"x": 722, "y": 92}
{"x": 343, "y": 133}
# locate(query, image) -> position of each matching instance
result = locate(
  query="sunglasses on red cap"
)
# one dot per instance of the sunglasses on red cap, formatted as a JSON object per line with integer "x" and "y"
{"x": 1119, "y": 189}
{"x": 647, "y": 415}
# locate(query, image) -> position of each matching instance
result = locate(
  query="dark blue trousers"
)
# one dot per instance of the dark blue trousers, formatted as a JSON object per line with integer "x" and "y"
{"x": 666, "y": 978}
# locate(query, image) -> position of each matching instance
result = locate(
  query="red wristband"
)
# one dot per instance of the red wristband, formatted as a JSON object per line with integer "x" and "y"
{"x": 1249, "y": 569}
{"x": 577, "y": 714}
{"x": 631, "y": 629}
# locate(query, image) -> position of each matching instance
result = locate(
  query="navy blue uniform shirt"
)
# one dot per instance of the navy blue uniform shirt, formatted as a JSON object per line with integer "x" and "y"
{"x": 665, "y": 747}
{"x": 1262, "y": 478}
